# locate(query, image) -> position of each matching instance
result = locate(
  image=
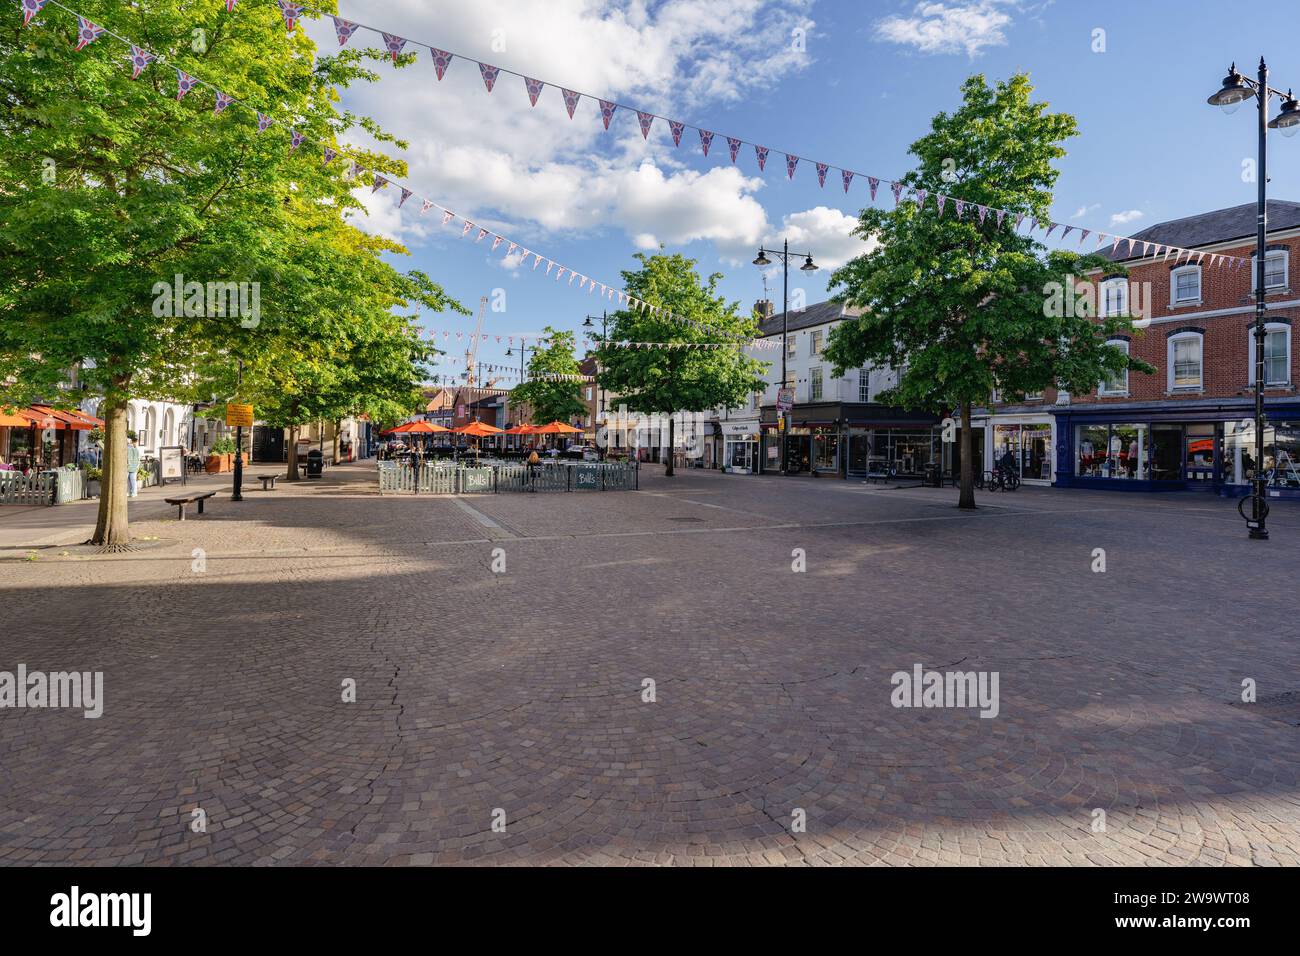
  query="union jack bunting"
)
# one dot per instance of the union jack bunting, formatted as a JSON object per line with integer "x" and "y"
{"x": 447, "y": 216}
{"x": 295, "y": 139}
{"x": 534, "y": 89}
{"x": 960, "y": 206}
{"x": 291, "y": 12}
{"x": 570, "y": 101}
{"x": 537, "y": 260}
{"x": 645, "y": 119}
{"x": 489, "y": 75}
{"x": 921, "y": 194}
{"x": 939, "y": 200}
{"x": 230, "y": 5}
{"x": 406, "y": 194}
{"x": 263, "y": 122}
{"x": 1020, "y": 218}
{"x": 511, "y": 247}
{"x": 1066, "y": 232}
{"x": 31, "y": 8}
{"x": 607, "y": 111}
{"x": 378, "y": 183}
{"x": 393, "y": 44}
{"x": 184, "y": 83}
{"x": 87, "y": 32}
{"x": 496, "y": 241}
{"x": 822, "y": 170}
{"x": 441, "y": 60}
{"x": 790, "y": 163}
{"x": 139, "y": 60}
{"x": 468, "y": 226}
{"x": 1002, "y": 214}
{"x": 426, "y": 206}
{"x": 344, "y": 29}
{"x": 897, "y": 189}
{"x": 328, "y": 156}
{"x": 733, "y": 147}
{"x": 847, "y": 176}
{"x": 761, "y": 153}
{"x": 1049, "y": 228}
{"x": 481, "y": 234}
{"x": 874, "y": 183}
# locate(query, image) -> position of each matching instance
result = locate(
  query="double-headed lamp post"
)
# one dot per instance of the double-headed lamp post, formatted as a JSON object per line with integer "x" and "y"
{"x": 808, "y": 266}
{"x": 589, "y": 323}
{"x": 1235, "y": 91}
{"x": 523, "y": 352}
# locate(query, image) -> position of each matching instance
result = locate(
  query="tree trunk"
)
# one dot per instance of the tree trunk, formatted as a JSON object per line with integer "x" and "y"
{"x": 111, "y": 528}
{"x": 338, "y": 425}
{"x": 672, "y": 444}
{"x": 293, "y": 455}
{"x": 967, "y": 497}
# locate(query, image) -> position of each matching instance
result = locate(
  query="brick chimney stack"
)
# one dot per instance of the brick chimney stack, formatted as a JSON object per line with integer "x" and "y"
{"x": 764, "y": 308}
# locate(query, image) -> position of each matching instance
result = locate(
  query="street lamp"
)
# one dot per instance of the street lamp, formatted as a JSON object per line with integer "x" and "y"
{"x": 600, "y": 394}
{"x": 762, "y": 260}
{"x": 1236, "y": 89}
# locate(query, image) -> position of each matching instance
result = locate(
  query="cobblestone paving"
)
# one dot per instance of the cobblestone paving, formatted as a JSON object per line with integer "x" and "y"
{"x": 521, "y": 692}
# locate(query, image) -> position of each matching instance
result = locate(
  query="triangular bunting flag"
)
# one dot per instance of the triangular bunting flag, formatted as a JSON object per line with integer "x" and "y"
{"x": 426, "y": 206}
{"x": 328, "y": 156}
{"x": 87, "y": 32}
{"x": 676, "y": 128}
{"x": 31, "y": 8}
{"x": 344, "y": 29}
{"x": 468, "y": 226}
{"x": 441, "y": 60}
{"x": 1001, "y": 215}
{"x": 822, "y": 169}
{"x": 263, "y": 122}
{"x": 291, "y": 12}
{"x": 921, "y": 195}
{"x": 534, "y": 88}
{"x": 733, "y": 147}
{"x": 847, "y": 176}
{"x": 706, "y": 140}
{"x": 489, "y": 75}
{"x": 184, "y": 83}
{"x": 393, "y": 44}
{"x": 139, "y": 60}
{"x": 570, "y": 101}
{"x": 295, "y": 139}
{"x": 874, "y": 183}
{"x": 496, "y": 241}
{"x": 761, "y": 153}
{"x": 896, "y": 189}
{"x": 482, "y": 234}
{"x": 645, "y": 119}
{"x": 790, "y": 163}
{"x": 940, "y": 200}
{"x": 1083, "y": 236}
{"x": 406, "y": 194}
{"x": 378, "y": 183}
{"x": 607, "y": 111}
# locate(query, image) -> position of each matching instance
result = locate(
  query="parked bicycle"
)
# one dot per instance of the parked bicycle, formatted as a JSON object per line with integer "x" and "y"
{"x": 999, "y": 479}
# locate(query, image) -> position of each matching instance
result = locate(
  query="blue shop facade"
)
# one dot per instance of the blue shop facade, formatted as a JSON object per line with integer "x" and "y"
{"x": 1186, "y": 445}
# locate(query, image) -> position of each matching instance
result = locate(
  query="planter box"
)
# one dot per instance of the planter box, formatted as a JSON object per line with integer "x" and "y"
{"x": 92, "y": 488}
{"x": 219, "y": 463}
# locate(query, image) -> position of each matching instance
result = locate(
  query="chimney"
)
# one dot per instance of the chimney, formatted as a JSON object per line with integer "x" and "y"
{"x": 764, "y": 308}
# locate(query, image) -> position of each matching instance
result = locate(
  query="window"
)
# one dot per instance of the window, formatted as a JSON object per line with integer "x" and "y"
{"x": 1112, "y": 451}
{"x": 1185, "y": 285}
{"x": 815, "y": 385}
{"x": 1118, "y": 384}
{"x": 1185, "y": 371}
{"x": 1277, "y": 353}
{"x": 864, "y": 385}
{"x": 1275, "y": 269}
{"x": 790, "y": 346}
{"x": 589, "y": 393}
{"x": 815, "y": 343}
{"x": 1114, "y": 297}
{"x": 1033, "y": 396}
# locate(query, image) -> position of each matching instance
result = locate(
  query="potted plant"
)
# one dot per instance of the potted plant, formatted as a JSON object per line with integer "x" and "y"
{"x": 93, "y": 477}
{"x": 221, "y": 456}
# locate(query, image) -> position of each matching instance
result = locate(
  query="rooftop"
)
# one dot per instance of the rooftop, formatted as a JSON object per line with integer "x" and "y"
{"x": 1208, "y": 228}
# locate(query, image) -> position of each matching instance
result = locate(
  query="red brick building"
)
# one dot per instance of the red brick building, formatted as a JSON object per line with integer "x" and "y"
{"x": 1190, "y": 424}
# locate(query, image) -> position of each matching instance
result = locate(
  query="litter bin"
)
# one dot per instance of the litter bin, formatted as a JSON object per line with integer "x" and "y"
{"x": 315, "y": 463}
{"x": 932, "y": 479}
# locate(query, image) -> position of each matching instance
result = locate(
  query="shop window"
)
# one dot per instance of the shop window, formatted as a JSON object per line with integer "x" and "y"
{"x": 1118, "y": 383}
{"x": 1112, "y": 451}
{"x": 1114, "y": 297}
{"x": 1185, "y": 285}
{"x": 1281, "y": 453}
{"x": 815, "y": 385}
{"x": 1185, "y": 365}
{"x": 1277, "y": 353}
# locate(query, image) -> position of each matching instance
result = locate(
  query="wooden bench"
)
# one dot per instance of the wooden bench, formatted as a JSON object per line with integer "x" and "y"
{"x": 183, "y": 500}
{"x": 267, "y": 480}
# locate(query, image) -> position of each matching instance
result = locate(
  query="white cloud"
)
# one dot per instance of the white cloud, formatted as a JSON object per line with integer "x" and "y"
{"x": 1125, "y": 217}
{"x": 1085, "y": 209}
{"x": 531, "y": 172}
{"x": 826, "y": 233}
{"x": 949, "y": 27}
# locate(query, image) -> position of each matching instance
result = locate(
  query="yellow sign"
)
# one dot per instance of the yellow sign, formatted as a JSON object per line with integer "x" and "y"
{"x": 239, "y": 415}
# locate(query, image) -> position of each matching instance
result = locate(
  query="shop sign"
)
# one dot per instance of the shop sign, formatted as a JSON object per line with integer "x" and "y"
{"x": 784, "y": 399}
{"x": 239, "y": 416}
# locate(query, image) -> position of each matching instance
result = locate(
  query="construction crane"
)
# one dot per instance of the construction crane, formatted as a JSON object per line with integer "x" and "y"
{"x": 471, "y": 353}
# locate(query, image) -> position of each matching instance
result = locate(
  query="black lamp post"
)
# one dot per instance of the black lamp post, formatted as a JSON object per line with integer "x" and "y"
{"x": 1235, "y": 91}
{"x": 808, "y": 266}
{"x": 523, "y": 352}
{"x": 600, "y": 393}
{"x": 238, "y": 493}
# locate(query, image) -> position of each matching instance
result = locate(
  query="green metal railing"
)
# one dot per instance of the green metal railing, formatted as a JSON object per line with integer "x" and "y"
{"x": 444, "y": 479}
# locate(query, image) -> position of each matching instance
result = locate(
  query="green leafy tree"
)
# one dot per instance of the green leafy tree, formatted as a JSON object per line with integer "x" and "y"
{"x": 961, "y": 307}
{"x": 110, "y": 186}
{"x": 553, "y": 397}
{"x": 674, "y": 377}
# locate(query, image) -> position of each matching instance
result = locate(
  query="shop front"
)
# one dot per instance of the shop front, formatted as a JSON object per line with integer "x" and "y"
{"x": 853, "y": 440}
{"x": 1026, "y": 442}
{"x": 1208, "y": 447}
{"x": 740, "y": 447}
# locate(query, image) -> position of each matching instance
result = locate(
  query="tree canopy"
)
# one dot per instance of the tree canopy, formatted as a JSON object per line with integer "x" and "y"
{"x": 553, "y": 389}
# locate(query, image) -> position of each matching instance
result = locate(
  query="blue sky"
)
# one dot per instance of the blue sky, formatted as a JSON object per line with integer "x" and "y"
{"x": 856, "y": 93}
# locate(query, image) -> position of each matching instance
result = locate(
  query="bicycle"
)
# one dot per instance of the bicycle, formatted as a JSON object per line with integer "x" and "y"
{"x": 998, "y": 479}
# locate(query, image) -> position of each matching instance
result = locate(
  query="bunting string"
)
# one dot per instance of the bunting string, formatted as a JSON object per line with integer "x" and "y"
{"x": 534, "y": 87}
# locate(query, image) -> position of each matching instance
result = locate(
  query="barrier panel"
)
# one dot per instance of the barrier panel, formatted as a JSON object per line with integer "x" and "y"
{"x": 34, "y": 489}
{"x": 505, "y": 477}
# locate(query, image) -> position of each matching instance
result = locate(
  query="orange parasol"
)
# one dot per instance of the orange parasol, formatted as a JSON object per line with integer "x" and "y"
{"x": 418, "y": 428}
{"x": 520, "y": 430}
{"x": 556, "y": 428}
{"x": 478, "y": 429}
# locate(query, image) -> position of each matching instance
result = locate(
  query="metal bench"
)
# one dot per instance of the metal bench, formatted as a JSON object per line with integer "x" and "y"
{"x": 268, "y": 482}
{"x": 182, "y": 501}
